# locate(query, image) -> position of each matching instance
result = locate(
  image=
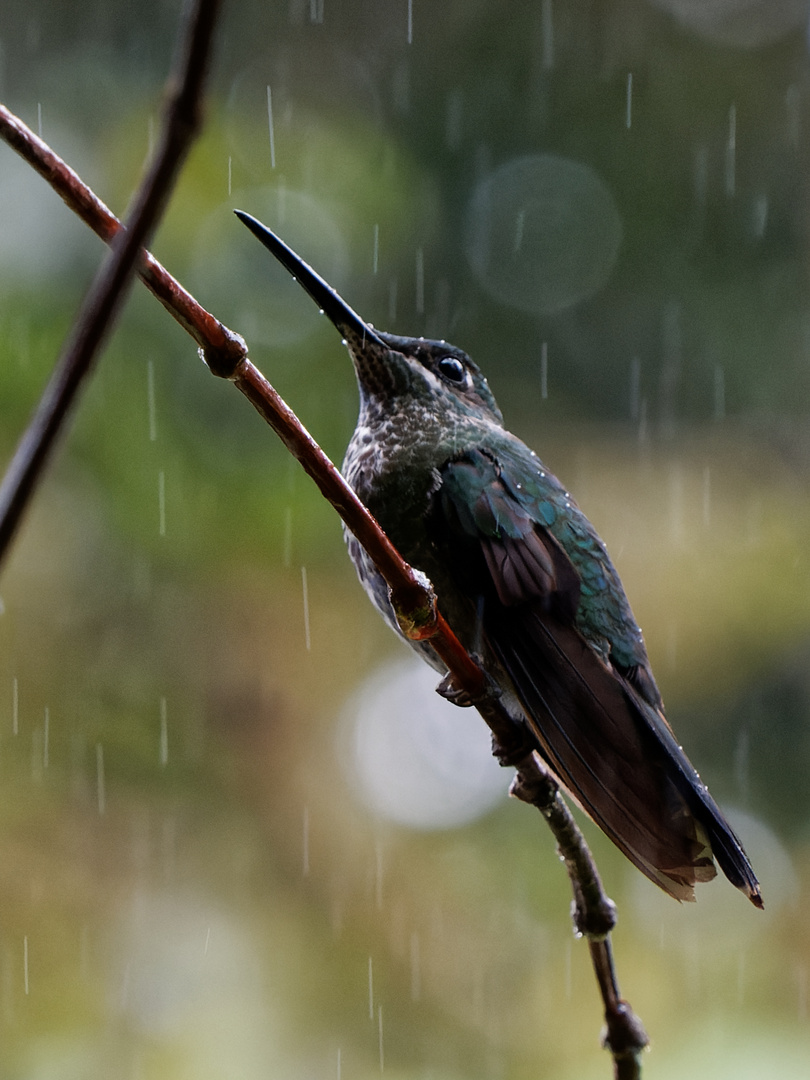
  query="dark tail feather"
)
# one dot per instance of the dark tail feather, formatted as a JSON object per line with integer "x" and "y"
{"x": 616, "y": 755}
{"x": 724, "y": 842}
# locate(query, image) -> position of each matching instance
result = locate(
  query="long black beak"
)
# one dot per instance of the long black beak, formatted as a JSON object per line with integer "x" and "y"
{"x": 330, "y": 302}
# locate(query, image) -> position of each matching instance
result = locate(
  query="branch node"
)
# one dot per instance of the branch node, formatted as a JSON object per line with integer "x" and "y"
{"x": 511, "y": 746}
{"x": 223, "y": 358}
{"x": 415, "y": 609}
{"x": 533, "y": 784}
{"x": 624, "y": 1035}
{"x": 593, "y": 920}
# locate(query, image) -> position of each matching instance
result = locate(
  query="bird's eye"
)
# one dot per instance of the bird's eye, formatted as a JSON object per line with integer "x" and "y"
{"x": 453, "y": 370}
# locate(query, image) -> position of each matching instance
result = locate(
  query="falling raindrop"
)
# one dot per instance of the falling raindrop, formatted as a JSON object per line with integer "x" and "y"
{"x": 370, "y": 990}
{"x": 378, "y": 875}
{"x": 628, "y": 115}
{"x": 39, "y": 119}
{"x": 719, "y": 392}
{"x": 84, "y": 951}
{"x": 46, "y": 734}
{"x": 520, "y": 225}
{"x": 707, "y": 496}
{"x": 36, "y": 755}
{"x": 544, "y": 370}
{"x": 731, "y": 152}
{"x": 547, "y": 22}
{"x": 15, "y": 706}
{"x": 305, "y": 591}
{"x": 161, "y": 503}
{"x": 676, "y": 504}
{"x": 270, "y": 128}
{"x": 164, "y": 732}
{"x": 801, "y": 992}
{"x": 642, "y": 421}
{"x": 230, "y": 174}
{"x": 100, "y": 785}
{"x": 168, "y": 845}
{"x": 410, "y": 22}
{"x": 793, "y": 106}
{"x": 671, "y": 367}
{"x": 635, "y": 388}
{"x": 760, "y": 216}
{"x": 150, "y": 399}
{"x": 25, "y": 963}
{"x": 376, "y": 258}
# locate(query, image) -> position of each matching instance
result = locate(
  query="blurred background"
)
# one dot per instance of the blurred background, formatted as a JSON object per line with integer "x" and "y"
{"x": 239, "y": 834}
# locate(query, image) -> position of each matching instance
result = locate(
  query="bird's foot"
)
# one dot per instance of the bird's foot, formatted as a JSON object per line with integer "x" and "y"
{"x": 450, "y": 690}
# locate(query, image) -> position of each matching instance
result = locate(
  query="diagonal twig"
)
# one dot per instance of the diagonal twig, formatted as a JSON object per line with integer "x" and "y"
{"x": 222, "y": 346}
{"x": 182, "y": 120}
{"x": 226, "y": 355}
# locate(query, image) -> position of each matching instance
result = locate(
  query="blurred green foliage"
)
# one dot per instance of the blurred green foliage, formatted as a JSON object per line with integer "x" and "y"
{"x": 169, "y": 746}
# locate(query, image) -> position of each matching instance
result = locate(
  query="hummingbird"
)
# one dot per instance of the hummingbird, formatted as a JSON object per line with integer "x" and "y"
{"x": 528, "y": 587}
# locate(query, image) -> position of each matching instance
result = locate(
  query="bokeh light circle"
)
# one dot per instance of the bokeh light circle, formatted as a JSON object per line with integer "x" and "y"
{"x": 742, "y": 24}
{"x": 543, "y": 233}
{"x": 415, "y": 759}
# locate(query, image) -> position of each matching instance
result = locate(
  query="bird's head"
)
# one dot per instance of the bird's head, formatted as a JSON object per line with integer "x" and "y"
{"x": 393, "y": 372}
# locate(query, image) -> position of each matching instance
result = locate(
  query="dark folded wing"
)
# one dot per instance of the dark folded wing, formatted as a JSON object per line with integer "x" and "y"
{"x": 600, "y": 728}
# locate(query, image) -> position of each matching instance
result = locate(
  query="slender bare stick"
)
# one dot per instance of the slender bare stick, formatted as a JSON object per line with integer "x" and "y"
{"x": 412, "y": 596}
{"x": 594, "y": 916}
{"x": 222, "y": 346}
{"x": 103, "y": 300}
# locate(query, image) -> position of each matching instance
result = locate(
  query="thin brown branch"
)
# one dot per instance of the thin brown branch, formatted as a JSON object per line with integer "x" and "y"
{"x": 411, "y": 593}
{"x": 222, "y": 346}
{"x": 110, "y": 285}
{"x": 594, "y": 915}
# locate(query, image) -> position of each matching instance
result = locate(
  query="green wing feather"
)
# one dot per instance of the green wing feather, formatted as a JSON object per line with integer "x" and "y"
{"x": 556, "y": 616}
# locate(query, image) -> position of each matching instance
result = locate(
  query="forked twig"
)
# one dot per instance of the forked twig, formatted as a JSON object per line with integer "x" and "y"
{"x": 412, "y": 597}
